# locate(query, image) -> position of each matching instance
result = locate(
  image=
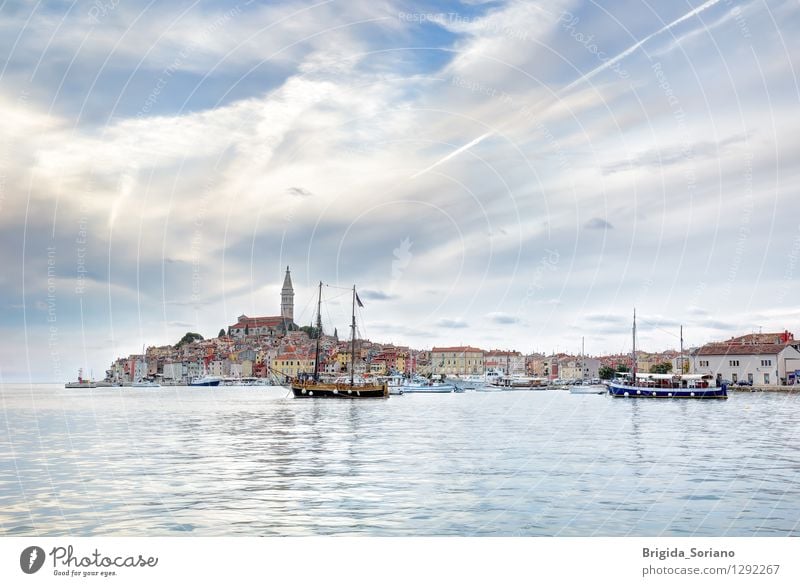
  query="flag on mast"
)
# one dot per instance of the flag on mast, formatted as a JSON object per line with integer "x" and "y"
{"x": 358, "y": 300}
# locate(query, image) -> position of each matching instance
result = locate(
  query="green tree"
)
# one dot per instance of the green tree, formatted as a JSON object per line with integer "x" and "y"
{"x": 606, "y": 372}
{"x": 311, "y": 331}
{"x": 623, "y": 368}
{"x": 188, "y": 338}
{"x": 661, "y": 368}
{"x": 221, "y": 333}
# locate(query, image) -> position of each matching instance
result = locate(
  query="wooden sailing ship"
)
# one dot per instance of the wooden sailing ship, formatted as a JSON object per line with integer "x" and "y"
{"x": 313, "y": 387}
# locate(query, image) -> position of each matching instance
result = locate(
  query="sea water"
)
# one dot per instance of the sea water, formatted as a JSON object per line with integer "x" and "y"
{"x": 255, "y": 461}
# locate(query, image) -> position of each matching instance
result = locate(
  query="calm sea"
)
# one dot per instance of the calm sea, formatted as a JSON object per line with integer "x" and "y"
{"x": 251, "y": 461}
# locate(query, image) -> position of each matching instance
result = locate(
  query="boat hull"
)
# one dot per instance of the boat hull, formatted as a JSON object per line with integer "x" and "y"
{"x": 430, "y": 389}
{"x": 618, "y": 390}
{"x": 213, "y": 383}
{"x": 338, "y": 391}
{"x": 588, "y": 390}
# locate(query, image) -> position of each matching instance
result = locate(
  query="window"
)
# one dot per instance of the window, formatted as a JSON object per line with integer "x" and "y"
{"x": 733, "y": 363}
{"x": 750, "y": 377}
{"x": 704, "y": 363}
{"x": 766, "y": 363}
{"x": 734, "y": 377}
{"x": 766, "y": 378}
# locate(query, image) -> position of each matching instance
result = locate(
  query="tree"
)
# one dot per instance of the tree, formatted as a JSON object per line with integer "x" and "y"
{"x": 310, "y": 331}
{"x": 246, "y": 330}
{"x": 661, "y": 368}
{"x": 221, "y": 333}
{"x": 188, "y": 338}
{"x": 606, "y": 372}
{"x": 623, "y": 368}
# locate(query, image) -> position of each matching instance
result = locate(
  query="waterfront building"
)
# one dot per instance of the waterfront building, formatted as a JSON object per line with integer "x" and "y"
{"x": 293, "y": 364}
{"x": 506, "y": 361}
{"x": 173, "y": 371}
{"x": 221, "y": 368}
{"x": 578, "y": 368}
{"x": 759, "y": 359}
{"x": 459, "y": 360}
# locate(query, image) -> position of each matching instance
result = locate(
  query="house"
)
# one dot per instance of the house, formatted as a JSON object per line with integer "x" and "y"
{"x": 581, "y": 367}
{"x": 505, "y": 361}
{"x": 292, "y": 364}
{"x": 750, "y": 358}
{"x": 457, "y": 360}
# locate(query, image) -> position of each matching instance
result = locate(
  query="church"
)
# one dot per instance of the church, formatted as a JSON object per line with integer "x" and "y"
{"x": 263, "y": 326}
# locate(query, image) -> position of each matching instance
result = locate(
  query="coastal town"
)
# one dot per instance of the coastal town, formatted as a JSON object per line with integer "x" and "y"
{"x": 276, "y": 349}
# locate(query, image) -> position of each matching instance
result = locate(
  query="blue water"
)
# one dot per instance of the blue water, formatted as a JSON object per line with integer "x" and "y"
{"x": 250, "y": 461}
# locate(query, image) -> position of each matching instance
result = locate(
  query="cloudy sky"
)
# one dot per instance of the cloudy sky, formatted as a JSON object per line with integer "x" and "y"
{"x": 503, "y": 174}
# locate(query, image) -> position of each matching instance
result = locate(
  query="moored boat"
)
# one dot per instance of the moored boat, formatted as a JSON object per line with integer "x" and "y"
{"x": 205, "y": 381}
{"x": 520, "y": 383}
{"x": 145, "y": 383}
{"x": 664, "y": 386}
{"x": 588, "y": 389}
{"x": 667, "y": 386}
{"x": 311, "y": 386}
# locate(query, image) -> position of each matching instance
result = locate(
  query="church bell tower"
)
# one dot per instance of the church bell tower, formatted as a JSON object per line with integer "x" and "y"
{"x": 287, "y": 298}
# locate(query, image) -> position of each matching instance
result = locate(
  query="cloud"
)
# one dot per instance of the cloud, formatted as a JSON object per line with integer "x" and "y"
{"x": 299, "y": 191}
{"x": 449, "y": 323}
{"x": 669, "y": 155}
{"x": 598, "y": 224}
{"x": 499, "y": 317}
{"x": 375, "y": 294}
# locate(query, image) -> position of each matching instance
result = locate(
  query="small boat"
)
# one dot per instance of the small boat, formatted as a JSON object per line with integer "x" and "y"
{"x": 81, "y": 383}
{"x": 311, "y": 386}
{"x": 520, "y": 383}
{"x": 420, "y": 384}
{"x": 476, "y": 381}
{"x": 431, "y": 387}
{"x": 205, "y": 381}
{"x": 588, "y": 390}
{"x": 664, "y": 386}
{"x": 145, "y": 383}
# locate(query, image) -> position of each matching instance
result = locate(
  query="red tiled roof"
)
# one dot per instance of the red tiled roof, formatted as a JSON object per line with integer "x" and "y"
{"x": 456, "y": 349}
{"x": 726, "y": 349}
{"x": 258, "y": 322}
{"x": 768, "y": 338}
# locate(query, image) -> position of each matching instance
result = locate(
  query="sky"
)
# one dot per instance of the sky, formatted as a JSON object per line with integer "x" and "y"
{"x": 504, "y": 174}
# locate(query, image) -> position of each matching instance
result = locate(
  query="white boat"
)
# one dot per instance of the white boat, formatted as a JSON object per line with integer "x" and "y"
{"x": 400, "y": 386}
{"x": 145, "y": 383}
{"x": 477, "y": 381}
{"x": 521, "y": 383}
{"x": 588, "y": 389}
{"x": 205, "y": 381}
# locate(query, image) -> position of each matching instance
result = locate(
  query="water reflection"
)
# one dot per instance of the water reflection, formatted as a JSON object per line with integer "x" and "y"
{"x": 252, "y": 461}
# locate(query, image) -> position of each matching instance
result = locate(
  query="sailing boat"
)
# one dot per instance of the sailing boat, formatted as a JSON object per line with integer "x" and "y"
{"x": 665, "y": 386}
{"x": 312, "y": 387}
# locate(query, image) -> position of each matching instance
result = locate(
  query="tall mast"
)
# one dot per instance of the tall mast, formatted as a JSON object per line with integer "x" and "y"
{"x": 353, "y": 342}
{"x": 319, "y": 333}
{"x": 681, "y": 350}
{"x": 633, "y": 369}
